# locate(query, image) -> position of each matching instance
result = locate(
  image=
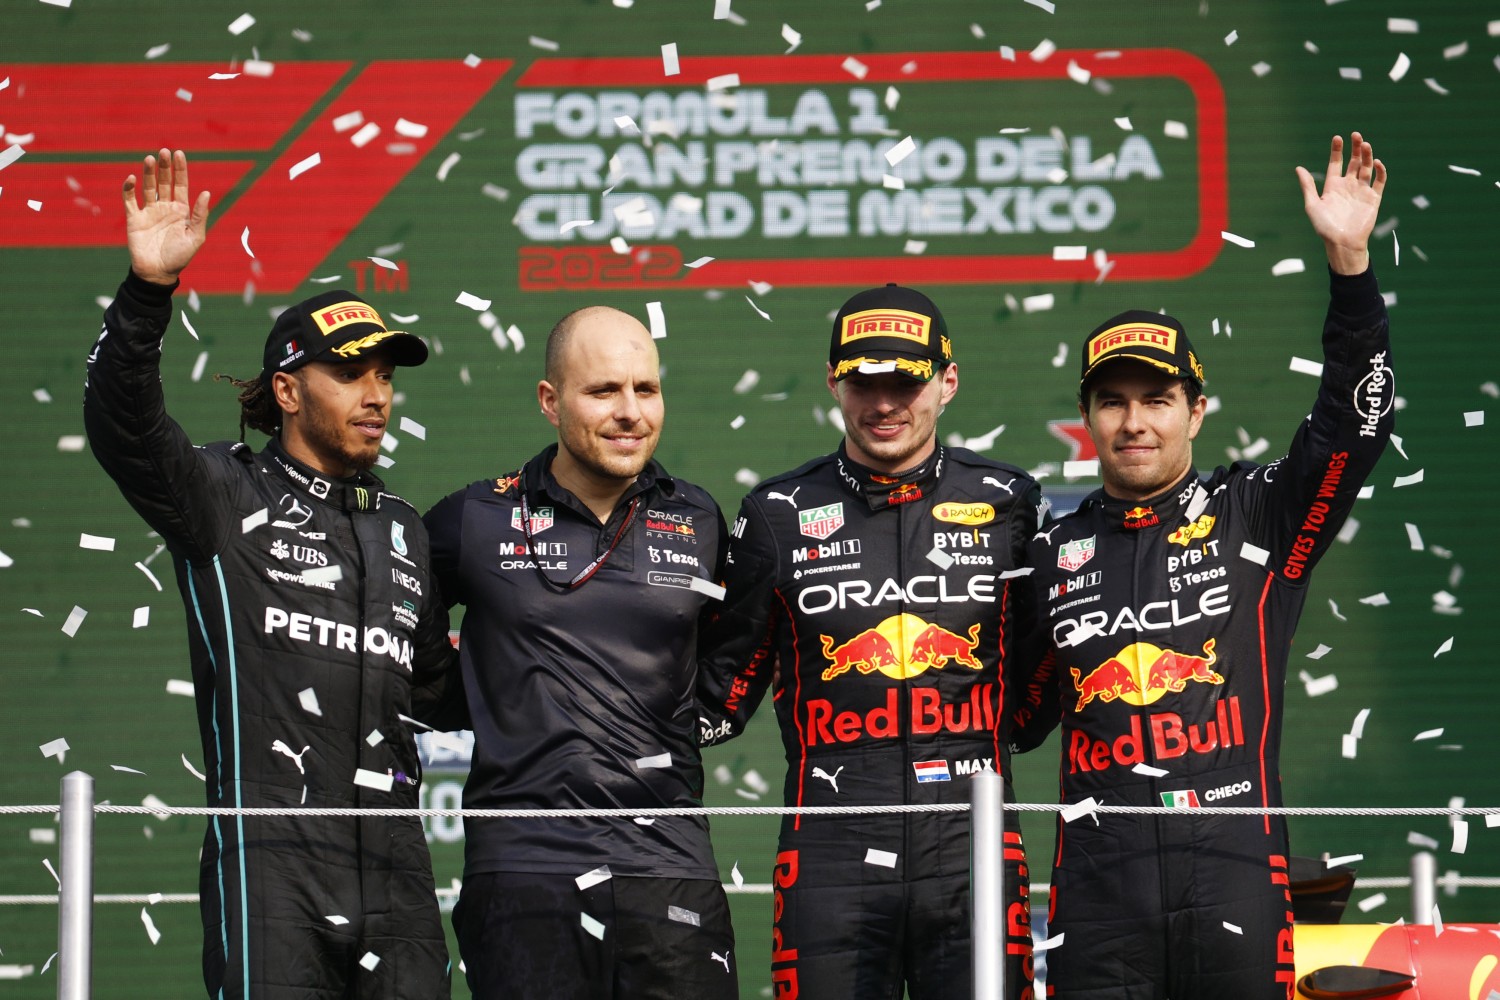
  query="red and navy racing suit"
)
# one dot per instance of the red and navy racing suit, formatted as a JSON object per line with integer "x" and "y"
{"x": 890, "y": 606}
{"x": 1169, "y": 622}
{"x": 313, "y": 628}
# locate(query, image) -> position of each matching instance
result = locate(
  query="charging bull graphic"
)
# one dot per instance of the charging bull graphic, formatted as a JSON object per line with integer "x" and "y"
{"x": 900, "y": 647}
{"x": 1141, "y": 673}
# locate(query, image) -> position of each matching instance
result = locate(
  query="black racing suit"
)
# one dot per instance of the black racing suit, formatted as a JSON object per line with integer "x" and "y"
{"x": 897, "y": 625}
{"x": 579, "y": 662}
{"x": 301, "y": 681}
{"x": 1170, "y": 622}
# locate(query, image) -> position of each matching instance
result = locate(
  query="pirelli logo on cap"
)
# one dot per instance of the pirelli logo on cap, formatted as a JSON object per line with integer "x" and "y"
{"x": 341, "y": 314}
{"x": 895, "y": 323}
{"x": 1133, "y": 335}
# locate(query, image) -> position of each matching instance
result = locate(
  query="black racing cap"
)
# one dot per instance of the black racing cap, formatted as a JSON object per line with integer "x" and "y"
{"x": 1155, "y": 338}
{"x": 890, "y": 328}
{"x": 332, "y": 326}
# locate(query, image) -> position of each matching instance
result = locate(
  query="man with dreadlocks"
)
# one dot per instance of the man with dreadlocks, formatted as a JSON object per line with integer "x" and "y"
{"x": 312, "y": 624}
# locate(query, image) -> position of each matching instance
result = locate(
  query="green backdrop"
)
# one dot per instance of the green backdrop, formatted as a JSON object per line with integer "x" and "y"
{"x": 455, "y": 208}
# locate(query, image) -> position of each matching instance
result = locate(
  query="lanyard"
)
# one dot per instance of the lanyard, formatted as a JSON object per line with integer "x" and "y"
{"x": 584, "y": 575}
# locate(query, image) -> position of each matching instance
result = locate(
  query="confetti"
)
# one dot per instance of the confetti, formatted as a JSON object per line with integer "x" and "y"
{"x": 97, "y": 542}
{"x": 1347, "y": 859}
{"x": 1261, "y": 68}
{"x": 362, "y": 138}
{"x": 1474, "y": 418}
{"x": 1238, "y": 241}
{"x": 336, "y": 920}
{"x": 1428, "y": 734}
{"x": 1460, "y": 835}
{"x": 474, "y": 302}
{"x": 885, "y": 859}
{"x": 345, "y": 122}
{"x": 700, "y": 262}
{"x": 1316, "y": 687}
{"x": 545, "y": 44}
{"x": 683, "y": 915}
{"x": 737, "y": 422}
{"x": 1403, "y": 63}
{"x": 792, "y": 37}
{"x": 1043, "y": 50}
{"x": 1046, "y": 5}
{"x": 141, "y": 618}
{"x": 1232, "y": 928}
{"x": 1290, "y": 265}
{"x": 734, "y": 874}
{"x": 1048, "y": 944}
{"x": 245, "y": 242}
{"x": 1038, "y": 303}
{"x": 308, "y": 698}
{"x": 1416, "y": 839}
{"x": 56, "y": 748}
{"x": 369, "y": 960}
{"x": 763, "y": 314}
{"x": 593, "y": 926}
{"x": 653, "y": 761}
{"x": 1254, "y": 553}
{"x": 10, "y": 154}
{"x": 900, "y": 151}
{"x": 1077, "y": 73}
{"x": 855, "y": 68}
{"x": 1078, "y": 810}
{"x": 940, "y": 558}
{"x": 259, "y": 67}
{"x": 1463, "y": 170}
{"x": 1070, "y": 253}
{"x": 75, "y": 619}
{"x": 374, "y": 779}
{"x": 1174, "y": 130}
{"x": 198, "y": 366}
{"x": 1147, "y": 771}
{"x": 1350, "y": 73}
{"x": 241, "y": 24}
{"x": 178, "y": 686}
{"x": 589, "y": 879}
{"x": 1370, "y": 902}
{"x": 669, "y": 68}
{"x": 1088, "y": 469}
{"x": 1411, "y": 480}
{"x": 723, "y": 82}
{"x": 151, "y": 931}
{"x": 658, "y": 320}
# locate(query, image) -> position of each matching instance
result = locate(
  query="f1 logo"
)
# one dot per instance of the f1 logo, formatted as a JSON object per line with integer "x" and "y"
{"x": 244, "y": 134}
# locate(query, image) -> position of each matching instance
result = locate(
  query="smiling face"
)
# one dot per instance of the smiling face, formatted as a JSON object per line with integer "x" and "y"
{"x": 1143, "y": 428}
{"x": 890, "y": 419}
{"x": 334, "y": 413}
{"x": 605, "y": 401}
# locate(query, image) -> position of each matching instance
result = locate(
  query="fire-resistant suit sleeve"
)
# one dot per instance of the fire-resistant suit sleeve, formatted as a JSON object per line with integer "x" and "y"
{"x": 1028, "y": 663}
{"x": 1296, "y": 505}
{"x": 736, "y": 640}
{"x": 169, "y": 482}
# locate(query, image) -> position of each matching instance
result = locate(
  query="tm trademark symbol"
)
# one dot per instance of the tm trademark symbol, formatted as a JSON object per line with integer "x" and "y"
{"x": 381, "y": 279}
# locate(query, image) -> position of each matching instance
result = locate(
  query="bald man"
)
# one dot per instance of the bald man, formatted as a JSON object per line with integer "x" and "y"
{"x": 584, "y": 573}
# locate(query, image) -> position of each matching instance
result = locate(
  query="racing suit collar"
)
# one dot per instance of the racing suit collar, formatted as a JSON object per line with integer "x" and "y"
{"x": 1182, "y": 501}
{"x": 542, "y": 487}
{"x": 358, "y": 492}
{"x": 880, "y": 490}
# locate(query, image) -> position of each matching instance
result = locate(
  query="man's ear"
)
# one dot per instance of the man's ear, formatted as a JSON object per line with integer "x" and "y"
{"x": 287, "y": 389}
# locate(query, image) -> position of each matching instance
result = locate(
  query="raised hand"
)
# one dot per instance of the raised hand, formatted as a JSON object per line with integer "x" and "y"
{"x": 1344, "y": 214}
{"x": 165, "y": 231}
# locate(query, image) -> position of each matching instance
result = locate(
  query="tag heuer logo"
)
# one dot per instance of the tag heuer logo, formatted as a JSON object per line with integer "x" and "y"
{"x": 541, "y": 519}
{"x": 1071, "y": 555}
{"x": 820, "y": 522}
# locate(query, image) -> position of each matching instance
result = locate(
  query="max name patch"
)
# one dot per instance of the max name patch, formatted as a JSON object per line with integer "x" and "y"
{"x": 1128, "y": 335}
{"x": 897, "y": 323}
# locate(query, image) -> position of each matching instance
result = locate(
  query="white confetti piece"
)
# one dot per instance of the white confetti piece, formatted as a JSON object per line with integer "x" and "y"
{"x": 151, "y": 931}
{"x": 1254, "y": 553}
{"x": 241, "y": 24}
{"x": 653, "y": 761}
{"x": 1360, "y": 718}
{"x": 1403, "y": 63}
{"x": 1070, "y": 253}
{"x": 885, "y": 859}
{"x": 722, "y": 82}
{"x": 474, "y": 302}
{"x": 348, "y": 120}
{"x": 41, "y": 395}
{"x": 187, "y": 323}
{"x": 669, "y": 68}
{"x": 711, "y": 590}
{"x": 1350, "y": 73}
{"x": 304, "y": 165}
{"x": 737, "y": 422}
{"x": 308, "y": 698}
{"x": 1474, "y": 418}
{"x": 700, "y": 262}
{"x": 11, "y": 153}
{"x": 157, "y": 51}
{"x": 245, "y": 242}
{"x": 901, "y": 151}
{"x": 47, "y": 864}
{"x": 892, "y": 182}
{"x": 1046, "y": 5}
{"x": 759, "y": 784}
{"x": 1232, "y": 37}
{"x": 1411, "y": 480}
{"x": 591, "y": 925}
{"x": 1414, "y": 537}
{"x": 1428, "y": 734}
{"x": 1492, "y": 819}
{"x": 42, "y": 835}
{"x": 373, "y": 779}
{"x": 1174, "y": 130}
{"x": 199, "y": 365}
{"x": 1320, "y": 652}
{"x": 940, "y": 558}
{"x": 589, "y": 879}
{"x": 1078, "y": 810}
{"x": 416, "y": 430}
{"x": 75, "y": 619}
{"x": 1232, "y": 928}
{"x": 410, "y": 130}
{"x": 1347, "y": 859}
{"x": 336, "y": 919}
{"x": 1261, "y": 68}
{"x": 141, "y": 618}
{"x": 1289, "y": 265}
{"x": 1087, "y": 469}
{"x": 1401, "y": 26}
{"x": 1056, "y": 941}
{"x": 657, "y": 319}
{"x": 545, "y": 44}
{"x": 55, "y": 748}
{"x": 1460, "y": 835}
{"x": 323, "y": 574}
{"x": 365, "y": 135}
{"x": 1038, "y": 303}
{"x": 1043, "y": 50}
{"x": 855, "y": 68}
{"x": 763, "y": 314}
{"x": 1370, "y": 902}
{"x": 97, "y": 542}
{"x": 1316, "y": 687}
{"x": 682, "y": 915}
{"x": 180, "y": 687}
{"x": 1077, "y": 73}
{"x": 791, "y": 36}
{"x": 1147, "y": 771}
{"x": 368, "y": 961}
{"x": 1463, "y": 170}
{"x": 1421, "y": 840}
{"x": 1238, "y": 241}
{"x": 1376, "y": 600}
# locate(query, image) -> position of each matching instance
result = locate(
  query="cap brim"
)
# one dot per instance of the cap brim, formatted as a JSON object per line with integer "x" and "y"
{"x": 882, "y": 363}
{"x": 405, "y": 350}
{"x": 1166, "y": 368}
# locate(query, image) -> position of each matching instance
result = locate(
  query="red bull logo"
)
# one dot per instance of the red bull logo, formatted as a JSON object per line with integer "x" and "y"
{"x": 1141, "y": 517}
{"x": 927, "y": 715}
{"x": 905, "y": 493}
{"x": 1141, "y": 673}
{"x": 901, "y": 647}
{"x": 1169, "y": 734}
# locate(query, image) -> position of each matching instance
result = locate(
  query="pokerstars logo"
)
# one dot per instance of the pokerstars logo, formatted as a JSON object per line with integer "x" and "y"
{"x": 277, "y": 139}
